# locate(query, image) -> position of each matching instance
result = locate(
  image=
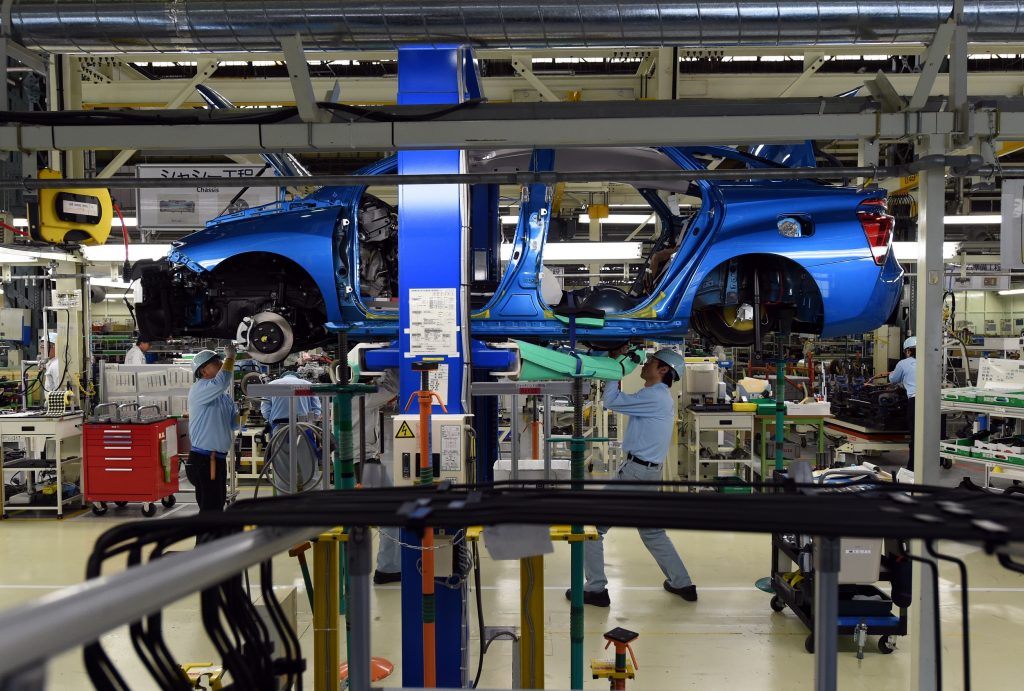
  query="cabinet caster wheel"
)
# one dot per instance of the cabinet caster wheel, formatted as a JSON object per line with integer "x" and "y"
{"x": 809, "y": 643}
{"x": 120, "y": 504}
{"x": 886, "y": 645}
{"x": 99, "y": 508}
{"x": 168, "y": 501}
{"x": 5, "y": 516}
{"x": 945, "y": 463}
{"x": 148, "y": 510}
{"x": 60, "y": 517}
{"x": 777, "y": 604}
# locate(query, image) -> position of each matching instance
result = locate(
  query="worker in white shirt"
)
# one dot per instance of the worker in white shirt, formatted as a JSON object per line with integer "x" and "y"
{"x": 51, "y": 380}
{"x": 136, "y": 355}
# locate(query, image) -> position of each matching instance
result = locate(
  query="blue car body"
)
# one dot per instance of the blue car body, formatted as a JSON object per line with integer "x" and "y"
{"x": 824, "y": 278}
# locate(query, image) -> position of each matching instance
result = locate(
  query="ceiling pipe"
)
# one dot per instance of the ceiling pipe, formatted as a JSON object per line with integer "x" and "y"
{"x": 146, "y": 26}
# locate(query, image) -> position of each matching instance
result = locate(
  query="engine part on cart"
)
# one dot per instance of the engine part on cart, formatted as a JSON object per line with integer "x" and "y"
{"x": 879, "y": 406}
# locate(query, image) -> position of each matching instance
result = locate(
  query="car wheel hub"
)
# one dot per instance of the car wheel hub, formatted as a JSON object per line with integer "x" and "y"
{"x": 268, "y": 337}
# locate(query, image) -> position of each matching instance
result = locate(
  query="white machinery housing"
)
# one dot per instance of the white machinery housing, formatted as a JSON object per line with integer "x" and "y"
{"x": 448, "y": 448}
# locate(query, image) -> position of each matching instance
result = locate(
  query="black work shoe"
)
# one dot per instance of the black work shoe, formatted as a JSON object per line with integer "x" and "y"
{"x": 688, "y": 593}
{"x": 597, "y": 599}
{"x": 382, "y": 577}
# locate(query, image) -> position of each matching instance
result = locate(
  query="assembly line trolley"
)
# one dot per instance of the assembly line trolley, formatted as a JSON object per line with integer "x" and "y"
{"x": 863, "y": 609}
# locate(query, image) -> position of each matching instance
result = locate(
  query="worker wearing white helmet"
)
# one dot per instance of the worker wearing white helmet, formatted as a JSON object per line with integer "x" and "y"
{"x": 905, "y": 374}
{"x": 652, "y": 419}
{"x": 211, "y": 424}
{"x": 51, "y": 379}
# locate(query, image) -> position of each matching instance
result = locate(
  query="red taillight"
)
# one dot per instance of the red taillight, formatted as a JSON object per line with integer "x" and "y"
{"x": 877, "y": 227}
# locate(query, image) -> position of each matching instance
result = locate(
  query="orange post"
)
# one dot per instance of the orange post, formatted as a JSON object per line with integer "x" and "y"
{"x": 425, "y": 399}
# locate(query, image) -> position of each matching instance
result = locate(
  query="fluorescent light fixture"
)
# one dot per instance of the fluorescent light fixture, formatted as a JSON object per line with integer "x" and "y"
{"x": 621, "y": 218}
{"x": 975, "y": 220}
{"x": 115, "y": 252}
{"x": 13, "y": 255}
{"x": 907, "y": 251}
{"x": 571, "y": 252}
{"x": 1012, "y": 291}
{"x": 129, "y": 221}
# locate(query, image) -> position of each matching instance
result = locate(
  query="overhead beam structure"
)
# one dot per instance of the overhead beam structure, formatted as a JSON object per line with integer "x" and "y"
{"x": 484, "y": 126}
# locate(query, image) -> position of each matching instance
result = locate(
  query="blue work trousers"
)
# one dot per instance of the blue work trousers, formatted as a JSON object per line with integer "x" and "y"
{"x": 655, "y": 539}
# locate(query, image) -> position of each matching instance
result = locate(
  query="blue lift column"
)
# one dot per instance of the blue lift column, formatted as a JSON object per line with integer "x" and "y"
{"x": 433, "y": 265}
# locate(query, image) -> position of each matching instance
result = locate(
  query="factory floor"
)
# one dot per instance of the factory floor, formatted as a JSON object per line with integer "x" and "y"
{"x": 730, "y": 639}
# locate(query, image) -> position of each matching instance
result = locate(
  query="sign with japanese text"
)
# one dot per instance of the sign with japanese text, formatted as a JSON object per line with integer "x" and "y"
{"x": 216, "y": 193}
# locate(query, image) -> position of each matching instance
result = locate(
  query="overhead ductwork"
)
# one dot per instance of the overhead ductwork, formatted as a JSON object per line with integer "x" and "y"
{"x": 113, "y": 26}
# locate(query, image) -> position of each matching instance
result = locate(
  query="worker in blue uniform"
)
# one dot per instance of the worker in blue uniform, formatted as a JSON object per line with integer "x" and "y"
{"x": 652, "y": 418}
{"x": 905, "y": 374}
{"x": 212, "y": 419}
{"x": 275, "y": 408}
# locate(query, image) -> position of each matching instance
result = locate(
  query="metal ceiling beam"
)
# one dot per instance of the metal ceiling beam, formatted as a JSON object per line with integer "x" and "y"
{"x": 205, "y": 71}
{"x": 669, "y": 123}
{"x": 366, "y": 90}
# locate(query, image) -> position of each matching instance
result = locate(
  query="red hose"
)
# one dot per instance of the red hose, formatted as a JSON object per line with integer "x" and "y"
{"x": 17, "y": 231}
{"x": 124, "y": 230}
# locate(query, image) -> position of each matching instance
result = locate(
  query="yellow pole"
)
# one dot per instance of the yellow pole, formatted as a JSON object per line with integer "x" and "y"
{"x": 326, "y": 641}
{"x": 531, "y": 622}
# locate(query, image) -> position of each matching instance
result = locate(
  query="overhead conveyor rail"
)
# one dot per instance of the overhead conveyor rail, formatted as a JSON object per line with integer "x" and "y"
{"x": 35, "y": 632}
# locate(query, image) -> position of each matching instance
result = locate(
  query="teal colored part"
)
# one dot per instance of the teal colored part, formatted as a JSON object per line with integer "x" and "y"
{"x": 780, "y": 412}
{"x": 576, "y": 615}
{"x": 592, "y": 322}
{"x": 764, "y": 584}
{"x": 545, "y": 364}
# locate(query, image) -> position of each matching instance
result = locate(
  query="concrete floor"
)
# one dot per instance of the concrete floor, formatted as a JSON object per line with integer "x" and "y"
{"x": 730, "y": 639}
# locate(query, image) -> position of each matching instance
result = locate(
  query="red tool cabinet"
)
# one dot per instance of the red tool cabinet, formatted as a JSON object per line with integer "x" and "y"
{"x": 130, "y": 462}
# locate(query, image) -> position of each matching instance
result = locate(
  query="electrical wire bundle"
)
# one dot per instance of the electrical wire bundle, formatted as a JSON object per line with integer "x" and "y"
{"x": 237, "y": 631}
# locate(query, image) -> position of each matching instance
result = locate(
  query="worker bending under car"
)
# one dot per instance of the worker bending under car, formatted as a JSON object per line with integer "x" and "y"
{"x": 375, "y": 473}
{"x": 212, "y": 420}
{"x": 275, "y": 409}
{"x": 652, "y": 419}
{"x": 905, "y": 374}
{"x": 136, "y": 355}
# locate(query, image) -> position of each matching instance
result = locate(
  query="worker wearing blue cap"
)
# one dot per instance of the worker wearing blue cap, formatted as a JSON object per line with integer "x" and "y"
{"x": 905, "y": 374}
{"x": 211, "y": 424}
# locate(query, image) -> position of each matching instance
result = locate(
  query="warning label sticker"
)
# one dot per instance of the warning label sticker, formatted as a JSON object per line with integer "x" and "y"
{"x": 405, "y": 432}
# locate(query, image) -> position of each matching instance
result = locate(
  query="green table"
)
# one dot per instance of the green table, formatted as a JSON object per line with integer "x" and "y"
{"x": 765, "y": 423}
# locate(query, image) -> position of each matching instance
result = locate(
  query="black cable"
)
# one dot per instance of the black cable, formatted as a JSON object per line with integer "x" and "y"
{"x": 479, "y": 613}
{"x": 964, "y": 609}
{"x": 378, "y": 115}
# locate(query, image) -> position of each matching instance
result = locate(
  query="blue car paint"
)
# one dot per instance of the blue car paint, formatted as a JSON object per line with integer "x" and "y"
{"x": 735, "y": 218}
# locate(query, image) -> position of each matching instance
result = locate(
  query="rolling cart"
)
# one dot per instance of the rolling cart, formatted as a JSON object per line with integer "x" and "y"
{"x": 863, "y": 609}
{"x": 135, "y": 460}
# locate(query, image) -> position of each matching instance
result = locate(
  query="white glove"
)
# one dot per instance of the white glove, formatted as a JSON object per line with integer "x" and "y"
{"x": 230, "y": 351}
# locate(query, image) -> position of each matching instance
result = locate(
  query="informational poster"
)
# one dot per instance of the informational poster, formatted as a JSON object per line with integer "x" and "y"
{"x": 216, "y": 193}
{"x": 439, "y": 382}
{"x": 433, "y": 322}
{"x": 451, "y": 448}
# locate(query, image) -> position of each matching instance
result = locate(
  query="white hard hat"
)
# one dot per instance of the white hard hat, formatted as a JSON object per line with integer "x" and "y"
{"x": 202, "y": 358}
{"x": 910, "y": 343}
{"x": 673, "y": 359}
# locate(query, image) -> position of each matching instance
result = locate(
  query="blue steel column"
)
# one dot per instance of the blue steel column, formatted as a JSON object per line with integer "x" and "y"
{"x": 432, "y": 254}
